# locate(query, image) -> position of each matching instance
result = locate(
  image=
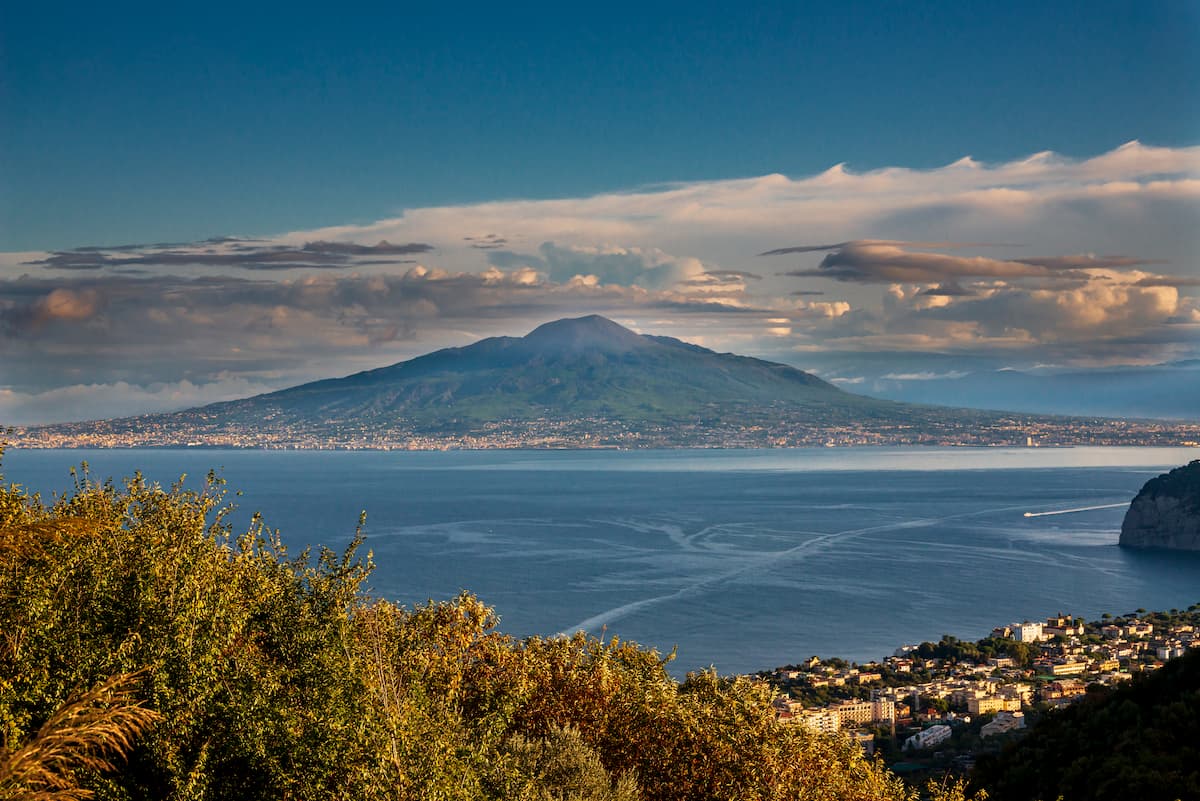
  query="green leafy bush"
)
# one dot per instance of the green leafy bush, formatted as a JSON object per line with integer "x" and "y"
{"x": 245, "y": 672}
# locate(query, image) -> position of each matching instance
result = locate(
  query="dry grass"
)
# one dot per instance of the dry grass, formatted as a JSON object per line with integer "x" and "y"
{"x": 32, "y": 539}
{"x": 85, "y": 735}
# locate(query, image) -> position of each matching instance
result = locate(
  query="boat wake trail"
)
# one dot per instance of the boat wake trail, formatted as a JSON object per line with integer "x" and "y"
{"x": 761, "y": 563}
{"x": 1079, "y": 509}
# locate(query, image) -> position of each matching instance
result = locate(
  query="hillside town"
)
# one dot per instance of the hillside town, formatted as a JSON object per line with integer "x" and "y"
{"x": 936, "y": 706}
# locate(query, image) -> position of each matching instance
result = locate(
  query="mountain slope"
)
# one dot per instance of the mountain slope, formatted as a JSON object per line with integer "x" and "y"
{"x": 1167, "y": 391}
{"x": 1139, "y": 741}
{"x": 586, "y": 367}
{"x": 583, "y": 383}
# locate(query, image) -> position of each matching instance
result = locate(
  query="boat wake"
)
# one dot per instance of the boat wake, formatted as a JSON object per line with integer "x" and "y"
{"x": 765, "y": 561}
{"x": 1079, "y": 509}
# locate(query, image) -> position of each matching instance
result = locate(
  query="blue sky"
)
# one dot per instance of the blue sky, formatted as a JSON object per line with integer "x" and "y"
{"x": 200, "y": 203}
{"x": 159, "y": 123}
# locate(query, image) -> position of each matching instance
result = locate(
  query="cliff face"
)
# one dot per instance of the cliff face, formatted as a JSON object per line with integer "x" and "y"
{"x": 1166, "y": 513}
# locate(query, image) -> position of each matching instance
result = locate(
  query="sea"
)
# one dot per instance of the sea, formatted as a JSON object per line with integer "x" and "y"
{"x": 743, "y": 560}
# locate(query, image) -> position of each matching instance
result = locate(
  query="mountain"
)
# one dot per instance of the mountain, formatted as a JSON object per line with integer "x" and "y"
{"x": 1166, "y": 512}
{"x": 584, "y": 382}
{"x": 583, "y": 367}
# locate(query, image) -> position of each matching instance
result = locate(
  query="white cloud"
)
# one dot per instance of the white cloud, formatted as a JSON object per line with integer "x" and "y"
{"x": 649, "y": 268}
{"x": 924, "y": 375}
{"x": 328, "y": 301}
{"x": 94, "y": 401}
{"x": 726, "y": 221}
{"x": 1106, "y": 315}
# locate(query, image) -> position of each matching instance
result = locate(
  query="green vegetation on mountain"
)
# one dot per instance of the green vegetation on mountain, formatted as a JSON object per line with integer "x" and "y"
{"x": 1182, "y": 483}
{"x": 584, "y": 383}
{"x": 587, "y": 367}
{"x": 139, "y": 632}
{"x": 1138, "y": 741}
{"x": 1166, "y": 512}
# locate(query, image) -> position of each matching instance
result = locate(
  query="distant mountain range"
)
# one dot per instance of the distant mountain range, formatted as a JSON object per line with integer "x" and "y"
{"x": 584, "y": 382}
{"x": 587, "y": 367}
{"x": 1168, "y": 391}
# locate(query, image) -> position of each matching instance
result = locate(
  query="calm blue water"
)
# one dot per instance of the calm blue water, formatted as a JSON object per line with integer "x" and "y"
{"x": 743, "y": 559}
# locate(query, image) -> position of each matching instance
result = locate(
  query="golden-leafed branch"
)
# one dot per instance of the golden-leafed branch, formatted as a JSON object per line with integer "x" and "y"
{"x": 86, "y": 734}
{"x": 31, "y": 539}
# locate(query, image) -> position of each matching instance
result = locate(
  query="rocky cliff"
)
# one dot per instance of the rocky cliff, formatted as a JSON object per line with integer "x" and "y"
{"x": 1166, "y": 513}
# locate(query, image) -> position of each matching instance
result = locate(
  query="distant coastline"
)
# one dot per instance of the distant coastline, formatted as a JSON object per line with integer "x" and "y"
{"x": 587, "y": 435}
{"x": 585, "y": 384}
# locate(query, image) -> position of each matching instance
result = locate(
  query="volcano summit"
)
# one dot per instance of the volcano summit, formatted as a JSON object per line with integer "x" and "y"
{"x": 585, "y": 382}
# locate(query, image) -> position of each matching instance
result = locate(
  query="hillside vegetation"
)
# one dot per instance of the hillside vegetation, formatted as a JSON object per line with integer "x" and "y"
{"x": 1139, "y": 741}
{"x": 588, "y": 367}
{"x": 147, "y": 651}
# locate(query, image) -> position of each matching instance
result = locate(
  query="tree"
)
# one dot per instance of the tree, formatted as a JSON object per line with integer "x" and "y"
{"x": 224, "y": 667}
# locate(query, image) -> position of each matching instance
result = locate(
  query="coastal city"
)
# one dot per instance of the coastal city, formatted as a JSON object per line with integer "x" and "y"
{"x": 194, "y": 429}
{"x": 936, "y": 707}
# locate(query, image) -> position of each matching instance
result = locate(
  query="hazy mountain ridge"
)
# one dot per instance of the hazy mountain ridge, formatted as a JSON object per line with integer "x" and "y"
{"x": 579, "y": 383}
{"x": 581, "y": 367}
{"x": 1166, "y": 391}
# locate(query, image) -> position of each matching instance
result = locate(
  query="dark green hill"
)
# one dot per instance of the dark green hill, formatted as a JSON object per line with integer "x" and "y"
{"x": 1141, "y": 741}
{"x": 1182, "y": 483}
{"x": 1166, "y": 512}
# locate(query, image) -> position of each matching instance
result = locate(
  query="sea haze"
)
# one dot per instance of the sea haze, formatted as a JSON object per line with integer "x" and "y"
{"x": 742, "y": 559}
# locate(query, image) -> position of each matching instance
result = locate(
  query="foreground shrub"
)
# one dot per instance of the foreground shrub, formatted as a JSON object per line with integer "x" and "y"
{"x": 229, "y": 669}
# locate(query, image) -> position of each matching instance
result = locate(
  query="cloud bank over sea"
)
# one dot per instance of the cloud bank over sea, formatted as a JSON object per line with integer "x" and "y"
{"x": 1043, "y": 260}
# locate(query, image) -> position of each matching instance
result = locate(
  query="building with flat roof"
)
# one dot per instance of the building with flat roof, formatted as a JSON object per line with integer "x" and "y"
{"x": 1027, "y": 631}
{"x": 821, "y": 721}
{"x": 988, "y": 704}
{"x": 1004, "y": 722}
{"x": 928, "y": 738}
{"x": 860, "y": 713}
